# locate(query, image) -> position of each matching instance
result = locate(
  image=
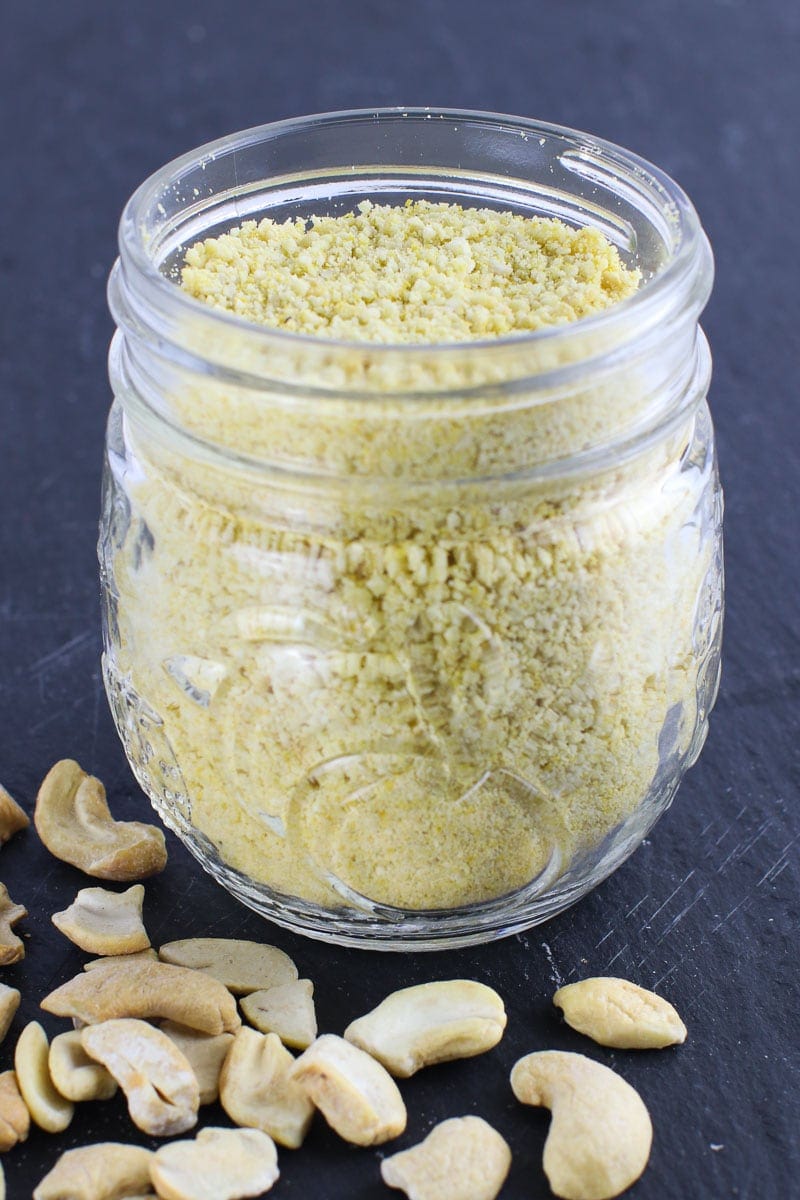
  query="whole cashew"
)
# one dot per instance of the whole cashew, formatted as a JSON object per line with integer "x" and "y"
{"x": 148, "y": 989}
{"x": 600, "y": 1135}
{"x": 430, "y": 1023}
{"x": 73, "y": 820}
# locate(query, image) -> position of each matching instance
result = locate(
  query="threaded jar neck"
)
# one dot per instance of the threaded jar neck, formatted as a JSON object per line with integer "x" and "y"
{"x": 571, "y": 393}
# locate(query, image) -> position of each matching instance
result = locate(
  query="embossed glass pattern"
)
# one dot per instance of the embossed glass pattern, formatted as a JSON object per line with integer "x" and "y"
{"x": 411, "y": 645}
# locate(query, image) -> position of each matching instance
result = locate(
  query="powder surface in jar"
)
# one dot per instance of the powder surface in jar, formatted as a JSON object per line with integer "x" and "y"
{"x": 422, "y": 697}
{"x": 421, "y": 272}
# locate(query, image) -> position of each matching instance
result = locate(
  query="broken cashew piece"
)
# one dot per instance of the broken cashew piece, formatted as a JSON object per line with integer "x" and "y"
{"x": 11, "y": 948}
{"x": 287, "y": 1010}
{"x": 146, "y": 989}
{"x": 49, "y": 1109}
{"x": 15, "y": 1120}
{"x": 256, "y": 1090}
{"x": 205, "y": 1054}
{"x": 600, "y": 1134}
{"x": 160, "y": 1086}
{"x": 12, "y": 817}
{"x": 220, "y": 1164}
{"x": 242, "y": 966}
{"x": 9, "y": 1003}
{"x": 77, "y": 1076}
{"x": 460, "y": 1159}
{"x": 103, "y": 922}
{"x": 355, "y": 1094}
{"x": 103, "y": 1171}
{"x": 430, "y": 1023}
{"x": 618, "y": 1013}
{"x": 73, "y": 820}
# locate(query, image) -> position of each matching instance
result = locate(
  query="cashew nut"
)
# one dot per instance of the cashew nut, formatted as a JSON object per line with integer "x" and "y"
{"x": 49, "y": 1109}
{"x": 600, "y": 1133}
{"x": 104, "y": 1171}
{"x": 103, "y": 922}
{"x": 9, "y": 1003}
{"x": 287, "y": 1010}
{"x": 430, "y": 1023}
{"x": 149, "y": 990}
{"x": 255, "y": 1088}
{"x": 116, "y": 959}
{"x": 220, "y": 1164}
{"x": 355, "y": 1094}
{"x": 616, "y": 1012}
{"x": 11, "y": 948}
{"x": 73, "y": 820}
{"x": 77, "y": 1076}
{"x": 460, "y": 1159}
{"x": 160, "y": 1086}
{"x": 242, "y": 966}
{"x": 15, "y": 1120}
{"x": 12, "y": 817}
{"x": 205, "y": 1054}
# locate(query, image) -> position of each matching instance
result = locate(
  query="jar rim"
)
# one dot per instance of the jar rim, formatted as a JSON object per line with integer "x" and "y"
{"x": 683, "y": 281}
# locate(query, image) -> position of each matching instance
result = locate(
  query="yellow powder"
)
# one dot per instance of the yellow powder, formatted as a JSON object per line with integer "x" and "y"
{"x": 419, "y": 273}
{"x": 422, "y": 697}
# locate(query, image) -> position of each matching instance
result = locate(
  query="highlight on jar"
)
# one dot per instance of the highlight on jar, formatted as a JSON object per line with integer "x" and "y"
{"x": 411, "y": 535}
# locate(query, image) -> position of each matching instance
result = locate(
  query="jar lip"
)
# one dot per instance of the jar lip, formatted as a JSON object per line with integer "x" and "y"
{"x": 681, "y": 275}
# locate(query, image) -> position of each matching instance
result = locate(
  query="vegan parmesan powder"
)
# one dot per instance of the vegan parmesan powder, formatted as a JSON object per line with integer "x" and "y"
{"x": 408, "y": 680}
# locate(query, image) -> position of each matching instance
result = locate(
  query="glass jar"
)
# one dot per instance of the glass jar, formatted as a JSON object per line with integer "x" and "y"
{"x": 411, "y": 645}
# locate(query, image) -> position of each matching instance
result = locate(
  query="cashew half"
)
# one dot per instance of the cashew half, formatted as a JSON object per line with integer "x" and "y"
{"x": 618, "y": 1013}
{"x": 355, "y": 1094}
{"x": 9, "y": 1003}
{"x": 242, "y": 966}
{"x": 146, "y": 989}
{"x": 256, "y": 1088}
{"x": 46, "y": 1105}
{"x": 11, "y": 948}
{"x": 12, "y": 817}
{"x": 205, "y": 1054}
{"x": 160, "y": 1086}
{"x": 220, "y": 1164}
{"x": 104, "y": 1171}
{"x": 15, "y": 1120}
{"x": 460, "y": 1159}
{"x": 103, "y": 922}
{"x": 600, "y": 1134}
{"x": 287, "y": 1010}
{"x": 430, "y": 1023}
{"x": 77, "y": 1076}
{"x": 73, "y": 820}
{"x": 115, "y": 959}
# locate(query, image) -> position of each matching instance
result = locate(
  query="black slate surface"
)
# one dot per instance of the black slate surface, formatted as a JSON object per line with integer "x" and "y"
{"x": 93, "y": 97}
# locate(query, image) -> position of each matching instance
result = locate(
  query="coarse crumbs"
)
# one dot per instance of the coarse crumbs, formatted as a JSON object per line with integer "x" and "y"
{"x": 421, "y": 272}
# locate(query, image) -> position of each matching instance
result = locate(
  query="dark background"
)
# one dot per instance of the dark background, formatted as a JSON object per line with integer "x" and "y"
{"x": 96, "y": 95}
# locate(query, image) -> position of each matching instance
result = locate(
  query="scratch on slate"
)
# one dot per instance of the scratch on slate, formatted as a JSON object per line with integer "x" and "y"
{"x": 675, "y": 922}
{"x": 637, "y": 906}
{"x": 780, "y": 864}
{"x": 671, "y": 896}
{"x": 604, "y": 938}
{"x": 555, "y": 974}
{"x": 61, "y": 652}
{"x": 619, "y": 954}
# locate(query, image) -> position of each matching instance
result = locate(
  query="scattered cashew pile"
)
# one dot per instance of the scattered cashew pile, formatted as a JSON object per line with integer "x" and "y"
{"x": 164, "y": 1027}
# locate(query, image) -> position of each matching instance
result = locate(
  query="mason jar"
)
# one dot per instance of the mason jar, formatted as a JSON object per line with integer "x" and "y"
{"x": 411, "y": 644}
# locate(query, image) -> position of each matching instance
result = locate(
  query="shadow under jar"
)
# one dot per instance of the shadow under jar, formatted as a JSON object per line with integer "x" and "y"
{"x": 411, "y": 645}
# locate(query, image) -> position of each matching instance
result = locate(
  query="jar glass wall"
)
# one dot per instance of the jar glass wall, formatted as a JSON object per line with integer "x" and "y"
{"x": 411, "y": 644}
